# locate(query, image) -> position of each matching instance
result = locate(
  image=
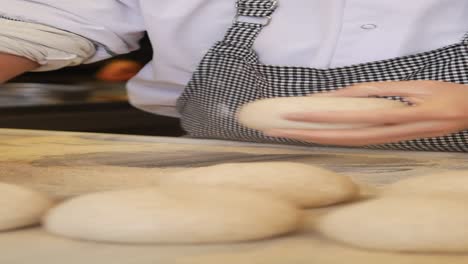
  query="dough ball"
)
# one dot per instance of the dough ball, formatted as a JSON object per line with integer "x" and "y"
{"x": 268, "y": 113}
{"x": 20, "y": 207}
{"x": 304, "y": 185}
{"x": 443, "y": 182}
{"x": 407, "y": 223}
{"x": 182, "y": 214}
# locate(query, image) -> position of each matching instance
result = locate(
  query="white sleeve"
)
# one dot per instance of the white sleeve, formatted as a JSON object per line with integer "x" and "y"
{"x": 112, "y": 26}
{"x": 50, "y": 47}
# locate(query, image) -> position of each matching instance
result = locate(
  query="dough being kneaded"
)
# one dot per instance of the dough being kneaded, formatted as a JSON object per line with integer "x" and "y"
{"x": 21, "y": 207}
{"x": 182, "y": 214}
{"x": 269, "y": 113}
{"x": 452, "y": 182}
{"x": 432, "y": 223}
{"x": 304, "y": 185}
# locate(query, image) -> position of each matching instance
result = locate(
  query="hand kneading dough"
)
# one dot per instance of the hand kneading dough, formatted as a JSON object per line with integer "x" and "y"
{"x": 455, "y": 182}
{"x": 268, "y": 113}
{"x": 408, "y": 223}
{"x": 20, "y": 207}
{"x": 304, "y": 185}
{"x": 173, "y": 215}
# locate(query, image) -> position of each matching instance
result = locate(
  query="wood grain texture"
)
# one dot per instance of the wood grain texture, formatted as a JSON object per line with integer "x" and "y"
{"x": 69, "y": 164}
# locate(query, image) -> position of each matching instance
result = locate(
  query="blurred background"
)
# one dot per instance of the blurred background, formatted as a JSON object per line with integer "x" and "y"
{"x": 88, "y": 98}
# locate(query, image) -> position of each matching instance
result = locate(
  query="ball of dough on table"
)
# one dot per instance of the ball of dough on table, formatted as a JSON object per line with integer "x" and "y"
{"x": 21, "y": 207}
{"x": 304, "y": 185}
{"x": 455, "y": 182}
{"x": 408, "y": 223}
{"x": 268, "y": 113}
{"x": 182, "y": 214}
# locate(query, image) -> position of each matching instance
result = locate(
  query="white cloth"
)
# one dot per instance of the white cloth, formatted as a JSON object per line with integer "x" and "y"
{"x": 50, "y": 47}
{"x": 309, "y": 33}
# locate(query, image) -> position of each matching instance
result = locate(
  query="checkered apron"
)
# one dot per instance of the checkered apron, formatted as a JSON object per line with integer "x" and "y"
{"x": 231, "y": 75}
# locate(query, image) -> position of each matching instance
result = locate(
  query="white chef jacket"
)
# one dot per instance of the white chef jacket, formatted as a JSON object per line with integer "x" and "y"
{"x": 308, "y": 33}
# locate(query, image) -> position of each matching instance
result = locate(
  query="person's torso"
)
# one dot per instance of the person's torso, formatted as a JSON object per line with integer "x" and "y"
{"x": 307, "y": 33}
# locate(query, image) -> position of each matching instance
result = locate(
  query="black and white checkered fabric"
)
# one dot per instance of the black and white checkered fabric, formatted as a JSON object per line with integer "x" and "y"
{"x": 231, "y": 75}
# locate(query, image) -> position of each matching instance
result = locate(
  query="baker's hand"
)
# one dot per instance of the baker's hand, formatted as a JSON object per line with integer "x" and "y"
{"x": 438, "y": 108}
{"x": 12, "y": 66}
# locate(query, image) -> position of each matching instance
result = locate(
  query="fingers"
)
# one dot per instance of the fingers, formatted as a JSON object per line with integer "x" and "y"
{"x": 393, "y": 116}
{"x": 371, "y": 135}
{"x": 439, "y": 108}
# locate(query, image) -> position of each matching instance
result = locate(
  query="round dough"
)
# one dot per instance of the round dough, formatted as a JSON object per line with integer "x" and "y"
{"x": 407, "y": 223}
{"x": 182, "y": 214}
{"x": 304, "y": 185}
{"x": 268, "y": 113}
{"x": 444, "y": 182}
{"x": 20, "y": 207}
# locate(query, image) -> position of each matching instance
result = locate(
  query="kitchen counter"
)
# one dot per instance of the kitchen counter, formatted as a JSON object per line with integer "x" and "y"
{"x": 68, "y": 164}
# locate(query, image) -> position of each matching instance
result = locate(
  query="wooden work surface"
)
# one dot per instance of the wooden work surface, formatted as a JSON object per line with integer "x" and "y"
{"x": 68, "y": 164}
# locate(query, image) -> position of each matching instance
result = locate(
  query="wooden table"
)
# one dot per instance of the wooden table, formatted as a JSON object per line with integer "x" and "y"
{"x": 69, "y": 164}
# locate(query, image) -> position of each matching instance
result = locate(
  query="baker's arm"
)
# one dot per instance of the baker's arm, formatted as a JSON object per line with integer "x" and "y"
{"x": 50, "y": 47}
{"x": 60, "y": 34}
{"x": 12, "y": 66}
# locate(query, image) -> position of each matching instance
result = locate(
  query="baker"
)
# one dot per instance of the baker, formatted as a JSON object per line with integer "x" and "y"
{"x": 212, "y": 56}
